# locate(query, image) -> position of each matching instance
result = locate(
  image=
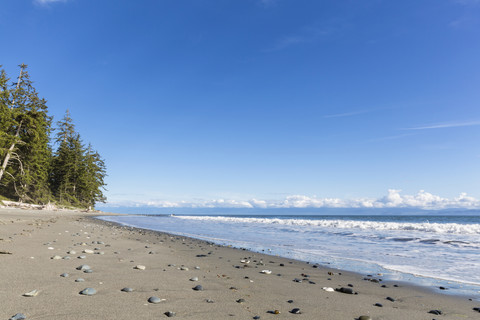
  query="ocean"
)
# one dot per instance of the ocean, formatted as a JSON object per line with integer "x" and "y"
{"x": 429, "y": 250}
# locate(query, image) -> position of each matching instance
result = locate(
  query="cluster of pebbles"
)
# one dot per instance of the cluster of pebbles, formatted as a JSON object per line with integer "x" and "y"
{"x": 263, "y": 269}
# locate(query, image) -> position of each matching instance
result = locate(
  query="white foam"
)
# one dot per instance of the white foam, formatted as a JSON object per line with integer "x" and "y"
{"x": 441, "y": 228}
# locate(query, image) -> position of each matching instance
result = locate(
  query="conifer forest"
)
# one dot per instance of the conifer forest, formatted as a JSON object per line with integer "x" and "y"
{"x": 41, "y": 164}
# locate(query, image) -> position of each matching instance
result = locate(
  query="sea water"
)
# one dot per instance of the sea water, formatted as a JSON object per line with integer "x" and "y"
{"x": 427, "y": 250}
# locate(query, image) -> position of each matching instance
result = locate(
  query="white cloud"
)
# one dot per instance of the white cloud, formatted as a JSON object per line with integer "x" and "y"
{"x": 47, "y": 2}
{"x": 447, "y": 125}
{"x": 394, "y": 199}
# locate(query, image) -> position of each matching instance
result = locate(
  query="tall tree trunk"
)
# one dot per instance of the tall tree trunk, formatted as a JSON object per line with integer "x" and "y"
{"x": 9, "y": 152}
{"x": 17, "y": 134}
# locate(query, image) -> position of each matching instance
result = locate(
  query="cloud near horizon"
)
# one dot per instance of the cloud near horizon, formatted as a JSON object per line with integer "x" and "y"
{"x": 46, "y": 2}
{"x": 394, "y": 199}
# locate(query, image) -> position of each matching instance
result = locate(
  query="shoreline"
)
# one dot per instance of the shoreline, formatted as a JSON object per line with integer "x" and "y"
{"x": 231, "y": 288}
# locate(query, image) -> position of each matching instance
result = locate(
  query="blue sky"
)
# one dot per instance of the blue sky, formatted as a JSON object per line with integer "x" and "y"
{"x": 238, "y": 102}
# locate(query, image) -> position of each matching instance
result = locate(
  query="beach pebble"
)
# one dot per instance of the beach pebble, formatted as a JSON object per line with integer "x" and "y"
{"x": 170, "y": 314}
{"x": 66, "y": 258}
{"x": 256, "y": 317}
{"x": 345, "y": 290}
{"x": 198, "y": 288}
{"x": 88, "y": 292}
{"x": 18, "y": 316}
{"x": 476, "y": 309}
{"x": 266, "y": 271}
{"x": 240, "y": 300}
{"x": 436, "y": 312}
{"x": 82, "y": 257}
{"x": 194, "y": 279}
{"x": 80, "y": 280}
{"x": 155, "y": 300}
{"x": 209, "y": 301}
{"x": 297, "y": 280}
{"x": 328, "y": 289}
{"x": 378, "y": 305}
{"x": 364, "y": 318}
{"x": 83, "y": 267}
{"x": 295, "y": 311}
{"x": 72, "y": 252}
{"x": 32, "y": 293}
{"x": 139, "y": 267}
{"x": 88, "y": 251}
{"x": 126, "y": 289}
{"x": 184, "y": 268}
{"x": 88, "y": 271}
{"x": 56, "y": 258}
{"x": 64, "y": 275}
{"x": 390, "y": 299}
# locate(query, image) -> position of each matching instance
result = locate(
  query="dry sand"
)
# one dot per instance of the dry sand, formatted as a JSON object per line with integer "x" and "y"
{"x": 34, "y": 237}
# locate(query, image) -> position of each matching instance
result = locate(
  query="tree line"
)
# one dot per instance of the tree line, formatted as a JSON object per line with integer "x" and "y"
{"x": 31, "y": 171}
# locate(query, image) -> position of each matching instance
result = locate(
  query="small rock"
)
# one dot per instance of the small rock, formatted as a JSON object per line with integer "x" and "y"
{"x": 72, "y": 252}
{"x": 266, "y": 271}
{"x": 126, "y": 289}
{"x": 80, "y": 280}
{"x": 83, "y": 267}
{"x": 378, "y": 305}
{"x": 364, "y": 318}
{"x": 345, "y": 290}
{"x": 210, "y": 301}
{"x": 442, "y": 288}
{"x": 139, "y": 267}
{"x": 170, "y": 314}
{"x": 64, "y": 275}
{"x": 88, "y": 292}
{"x": 297, "y": 280}
{"x": 295, "y": 311}
{"x": 184, "y": 268}
{"x": 290, "y": 301}
{"x": 240, "y": 300}
{"x": 88, "y": 271}
{"x": 194, "y": 279}
{"x": 56, "y": 258}
{"x": 88, "y": 251}
{"x": 18, "y": 316}
{"x": 81, "y": 257}
{"x": 328, "y": 289}
{"x": 476, "y": 309}
{"x": 32, "y": 293}
{"x": 256, "y": 317}
{"x": 155, "y": 300}
{"x": 390, "y": 299}
{"x": 436, "y": 312}
{"x": 198, "y": 288}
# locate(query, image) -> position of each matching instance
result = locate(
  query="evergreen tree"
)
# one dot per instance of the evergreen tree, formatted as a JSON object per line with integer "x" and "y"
{"x": 78, "y": 173}
{"x": 25, "y": 136}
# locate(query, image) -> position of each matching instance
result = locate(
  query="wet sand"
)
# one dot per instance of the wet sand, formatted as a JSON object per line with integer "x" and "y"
{"x": 232, "y": 280}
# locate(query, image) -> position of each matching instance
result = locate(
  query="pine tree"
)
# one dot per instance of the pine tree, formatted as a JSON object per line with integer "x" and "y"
{"x": 25, "y": 149}
{"x": 78, "y": 173}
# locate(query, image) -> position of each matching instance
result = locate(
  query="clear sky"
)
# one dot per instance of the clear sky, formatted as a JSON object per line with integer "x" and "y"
{"x": 225, "y": 101}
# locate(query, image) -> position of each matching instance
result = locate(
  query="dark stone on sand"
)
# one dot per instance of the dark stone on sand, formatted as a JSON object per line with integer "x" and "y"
{"x": 126, "y": 289}
{"x": 18, "y": 316}
{"x": 311, "y": 282}
{"x": 384, "y": 286}
{"x": 273, "y": 311}
{"x": 390, "y": 299}
{"x": 476, "y": 309}
{"x": 201, "y": 255}
{"x": 210, "y": 301}
{"x": 378, "y": 305}
{"x": 295, "y": 311}
{"x": 436, "y": 312}
{"x": 282, "y": 265}
{"x": 170, "y": 314}
{"x": 442, "y": 288}
{"x": 240, "y": 300}
{"x": 79, "y": 280}
{"x": 256, "y": 317}
{"x": 290, "y": 301}
{"x": 64, "y": 275}
{"x": 350, "y": 285}
{"x": 345, "y": 290}
{"x": 364, "y": 318}
{"x": 198, "y": 288}
{"x": 83, "y": 267}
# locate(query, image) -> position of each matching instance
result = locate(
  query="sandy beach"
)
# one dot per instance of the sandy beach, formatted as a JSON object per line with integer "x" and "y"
{"x": 41, "y": 252}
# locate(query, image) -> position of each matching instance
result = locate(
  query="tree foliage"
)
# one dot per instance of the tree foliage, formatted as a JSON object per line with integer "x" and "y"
{"x": 29, "y": 170}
